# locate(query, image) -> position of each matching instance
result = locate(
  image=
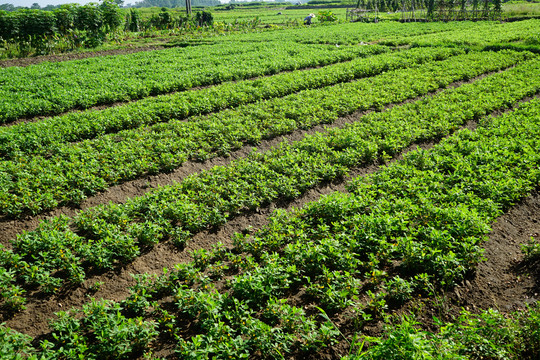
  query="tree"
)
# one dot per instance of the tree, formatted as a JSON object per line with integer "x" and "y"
{"x": 204, "y": 18}
{"x": 9, "y": 26}
{"x": 66, "y": 16}
{"x": 35, "y": 6}
{"x": 497, "y": 6}
{"x": 112, "y": 17}
{"x": 7, "y": 7}
{"x": 430, "y": 8}
{"x": 133, "y": 22}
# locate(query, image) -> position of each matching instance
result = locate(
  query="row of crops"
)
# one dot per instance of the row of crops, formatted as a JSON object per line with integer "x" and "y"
{"x": 482, "y": 35}
{"x": 65, "y": 173}
{"x": 52, "y": 88}
{"x": 471, "y": 34}
{"x": 38, "y": 137}
{"x": 312, "y": 278}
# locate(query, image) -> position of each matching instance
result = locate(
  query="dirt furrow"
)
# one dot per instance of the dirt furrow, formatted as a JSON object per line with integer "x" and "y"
{"x": 23, "y": 62}
{"x": 506, "y": 280}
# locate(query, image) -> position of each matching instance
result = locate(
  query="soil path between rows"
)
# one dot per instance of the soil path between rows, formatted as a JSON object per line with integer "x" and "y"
{"x": 506, "y": 280}
{"x": 23, "y": 62}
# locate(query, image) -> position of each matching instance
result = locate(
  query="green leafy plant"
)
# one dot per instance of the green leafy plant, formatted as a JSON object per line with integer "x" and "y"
{"x": 326, "y": 16}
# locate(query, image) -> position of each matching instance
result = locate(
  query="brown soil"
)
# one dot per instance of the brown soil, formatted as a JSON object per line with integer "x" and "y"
{"x": 23, "y": 62}
{"x": 506, "y": 281}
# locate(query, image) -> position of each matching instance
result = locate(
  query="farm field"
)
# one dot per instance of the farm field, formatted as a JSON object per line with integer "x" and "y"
{"x": 359, "y": 191}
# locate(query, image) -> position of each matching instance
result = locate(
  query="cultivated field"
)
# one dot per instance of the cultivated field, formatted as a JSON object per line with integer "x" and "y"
{"x": 367, "y": 191}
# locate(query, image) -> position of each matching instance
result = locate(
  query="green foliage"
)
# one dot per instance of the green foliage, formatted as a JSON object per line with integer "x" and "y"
{"x": 478, "y": 34}
{"x": 329, "y": 247}
{"x": 405, "y": 342}
{"x": 528, "y": 327}
{"x": 112, "y": 16}
{"x": 102, "y": 333}
{"x": 115, "y": 233}
{"x": 66, "y": 16}
{"x": 326, "y": 16}
{"x": 14, "y": 345}
{"x": 162, "y": 20}
{"x": 295, "y": 286}
{"x": 86, "y": 25}
{"x": 531, "y": 249}
{"x": 204, "y": 18}
{"x": 35, "y": 24}
{"x": 488, "y": 335}
{"x": 90, "y": 19}
{"x": 174, "y": 3}
{"x": 133, "y": 20}
{"x": 10, "y": 293}
{"x": 9, "y": 26}
{"x": 203, "y": 139}
{"x": 143, "y": 74}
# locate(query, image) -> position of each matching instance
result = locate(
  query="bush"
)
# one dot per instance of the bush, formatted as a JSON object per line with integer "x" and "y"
{"x": 204, "y": 18}
{"x": 327, "y": 16}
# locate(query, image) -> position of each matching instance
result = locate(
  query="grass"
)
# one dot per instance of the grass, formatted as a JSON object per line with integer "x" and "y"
{"x": 521, "y": 9}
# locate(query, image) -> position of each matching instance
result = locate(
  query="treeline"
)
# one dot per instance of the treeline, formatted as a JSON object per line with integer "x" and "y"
{"x": 246, "y": 3}
{"x": 87, "y": 26}
{"x": 174, "y": 3}
{"x": 166, "y": 20}
{"x": 394, "y": 5}
{"x": 35, "y": 6}
{"x": 382, "y": 5}
{"x": 434, "y": 8}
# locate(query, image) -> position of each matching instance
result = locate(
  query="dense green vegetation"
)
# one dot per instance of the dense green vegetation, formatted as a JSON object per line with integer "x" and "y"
{"x": 74, "y": 26}
{"x": 356, "y": 33}
{"x": 314, "y": 281}
{"x": 481, "y": 36}
{"x": 67, "y": 28}
{"x": 429, "y": 212}
{"x": 117, "y": 232}
{"x": 80, "y": 25}
{"x": 52, "y": 88}
{"x": 174, "y": 3}
{"x": 41, "y": 137}
{"x": 67, "y": 173}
